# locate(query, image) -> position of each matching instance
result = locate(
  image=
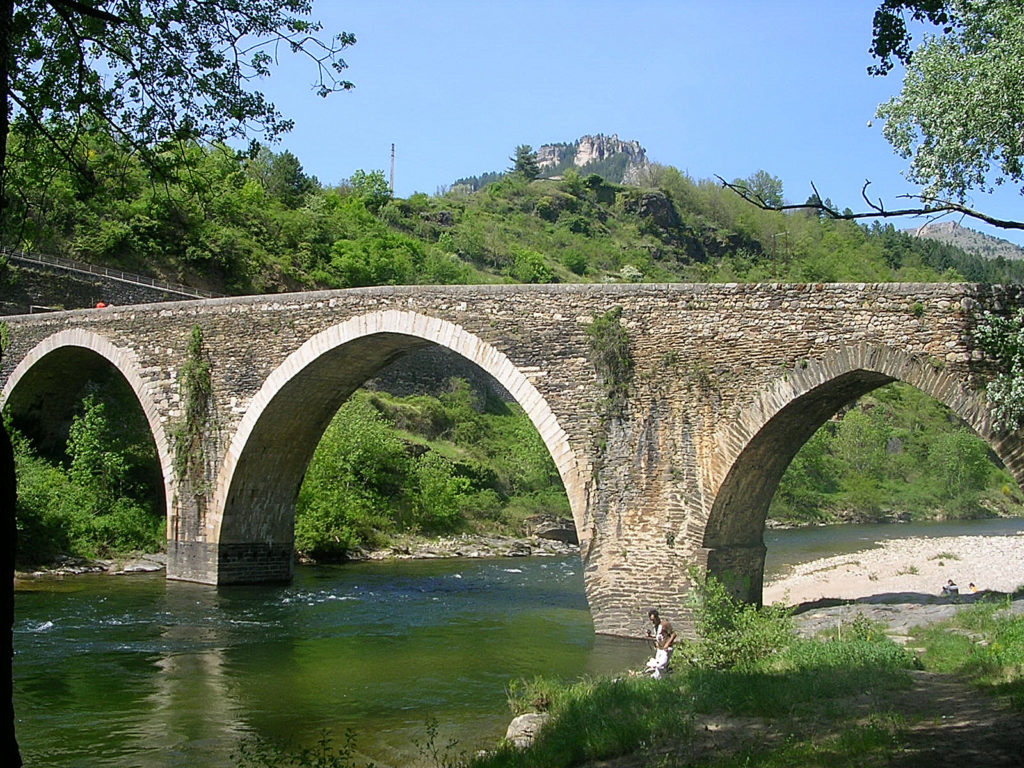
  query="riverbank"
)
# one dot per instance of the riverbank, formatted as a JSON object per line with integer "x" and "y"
{"x": 905, "y": 569}
{"x": 401, "y": 548}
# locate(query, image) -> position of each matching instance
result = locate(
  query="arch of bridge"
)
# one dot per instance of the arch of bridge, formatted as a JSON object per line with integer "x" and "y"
{"x": 298, "y": 399}
{"x": 126, "y": 363}
{"x": 754, "y": 450}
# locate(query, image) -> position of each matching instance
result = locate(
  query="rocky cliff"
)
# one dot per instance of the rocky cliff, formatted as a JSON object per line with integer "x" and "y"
{"x": 591, "y": 153}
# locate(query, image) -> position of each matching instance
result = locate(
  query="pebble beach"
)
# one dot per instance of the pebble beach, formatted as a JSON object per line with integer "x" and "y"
{"x": 913, "y": 567}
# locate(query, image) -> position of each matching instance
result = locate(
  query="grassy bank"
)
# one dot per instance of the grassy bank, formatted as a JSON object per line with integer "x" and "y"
{"x": 750, "y": 692}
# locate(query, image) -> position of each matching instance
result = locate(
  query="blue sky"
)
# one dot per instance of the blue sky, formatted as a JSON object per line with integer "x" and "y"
{"x": 711, "y": 88}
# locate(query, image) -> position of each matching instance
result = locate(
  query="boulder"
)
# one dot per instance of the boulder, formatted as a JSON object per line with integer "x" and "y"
{"x": 551, "y": 527}
{"x": 524, "y": 729}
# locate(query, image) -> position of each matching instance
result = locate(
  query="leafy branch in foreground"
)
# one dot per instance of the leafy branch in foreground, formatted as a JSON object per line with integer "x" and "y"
{"x": 158, "y": 74}
{"x": 958, "y": 116}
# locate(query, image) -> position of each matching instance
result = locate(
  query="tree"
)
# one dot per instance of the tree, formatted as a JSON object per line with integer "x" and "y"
{"x": 959, "y": 117}
{"x": 157, "y": 73}
{"x": 160, "y": 74}
{"x": 372, "y": 188}
{"x": 282, "y": 177}
{"x": 524, "y": 162}
{"x": 765, "y": 187}
{"x": 891, "y": 38}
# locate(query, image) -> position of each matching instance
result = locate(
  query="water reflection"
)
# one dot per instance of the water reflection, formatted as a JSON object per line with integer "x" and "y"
{"x": 189, "y": 701}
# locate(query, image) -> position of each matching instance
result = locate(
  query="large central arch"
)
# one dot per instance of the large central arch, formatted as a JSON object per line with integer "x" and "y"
{"x": 253, "y": 504}
{"x": 758, "y": 447}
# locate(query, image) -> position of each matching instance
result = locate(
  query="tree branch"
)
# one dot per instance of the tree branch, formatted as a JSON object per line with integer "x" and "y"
{"x": 930, "y": 206}
{"x": 85, "y": 10}
{"x": 82, "y": 169}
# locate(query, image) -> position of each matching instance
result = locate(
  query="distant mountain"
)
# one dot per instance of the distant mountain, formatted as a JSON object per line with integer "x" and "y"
{"x": 970, "y": 240}
{"x": 614, "y": 160}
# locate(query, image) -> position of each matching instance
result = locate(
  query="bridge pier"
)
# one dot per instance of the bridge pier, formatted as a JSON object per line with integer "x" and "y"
{"x": 740, "y": 568}
{"x": 192, "y": 561}
{"x": 239, "y": 563}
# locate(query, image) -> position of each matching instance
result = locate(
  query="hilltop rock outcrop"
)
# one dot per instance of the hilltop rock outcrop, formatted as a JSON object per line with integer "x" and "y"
{"x": 590, "y": 150}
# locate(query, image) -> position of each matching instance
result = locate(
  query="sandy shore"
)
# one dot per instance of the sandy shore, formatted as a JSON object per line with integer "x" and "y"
{"x": 918, "y": 566}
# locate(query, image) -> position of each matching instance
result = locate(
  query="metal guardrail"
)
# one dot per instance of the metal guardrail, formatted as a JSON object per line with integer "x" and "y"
{"x": 92, "y": 269}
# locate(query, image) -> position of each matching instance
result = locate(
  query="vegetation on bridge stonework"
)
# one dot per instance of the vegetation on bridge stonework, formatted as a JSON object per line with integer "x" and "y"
{"x": 1002, "y": 340}
{"x": 196, "y": 390}
{"x": 609, "y": 352}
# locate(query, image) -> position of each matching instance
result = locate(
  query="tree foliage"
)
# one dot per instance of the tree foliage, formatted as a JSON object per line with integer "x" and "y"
{"x": 263, "y": 226}
{"x": 891, "y": 38}
{"x": 158, "y": 74}
{"x": 959, "y": 116}
{"x": 524, "y": 162}
{"x": 426, "y": 464}
{"x": 895, "y": 450}
{"x": 96, "y": 502}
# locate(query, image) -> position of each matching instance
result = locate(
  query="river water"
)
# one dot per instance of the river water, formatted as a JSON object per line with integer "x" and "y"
{"x": 139, "y": 671}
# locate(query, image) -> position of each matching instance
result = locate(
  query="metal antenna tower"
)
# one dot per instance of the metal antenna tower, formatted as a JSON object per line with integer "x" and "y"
{"x": 391, "y": 185}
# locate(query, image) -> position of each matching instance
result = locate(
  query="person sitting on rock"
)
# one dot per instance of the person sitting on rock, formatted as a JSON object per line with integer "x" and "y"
{"x": 951, "y": 589}
{"x": 664, "y": 641}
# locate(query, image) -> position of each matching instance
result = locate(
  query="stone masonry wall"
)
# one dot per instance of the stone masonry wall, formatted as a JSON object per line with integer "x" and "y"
{"x": 54, "y": 288}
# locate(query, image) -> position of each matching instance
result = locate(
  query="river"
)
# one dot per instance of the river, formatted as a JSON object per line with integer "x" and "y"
{"x": 140, "y": 671}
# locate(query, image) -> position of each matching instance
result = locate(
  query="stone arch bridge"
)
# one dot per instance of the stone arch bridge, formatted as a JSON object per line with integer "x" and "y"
{"x": 728, "y": 382}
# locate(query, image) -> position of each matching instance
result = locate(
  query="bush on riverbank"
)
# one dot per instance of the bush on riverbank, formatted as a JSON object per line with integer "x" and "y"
{"x": 97, "y": 501}
{"x": 830, "y": 700}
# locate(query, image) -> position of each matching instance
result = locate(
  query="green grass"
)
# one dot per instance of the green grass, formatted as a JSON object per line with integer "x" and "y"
{"x": 748, "y": 663}
{"x": 983, "y": 644}
{"x": 801, "y": 689}
{"x": 864, "y": 745}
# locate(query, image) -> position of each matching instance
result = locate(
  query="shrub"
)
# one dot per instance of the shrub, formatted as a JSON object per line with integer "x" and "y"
{"x": 575, "y": 262}
{"x": 530, "y": 267}
{"x": 732, "y": 633}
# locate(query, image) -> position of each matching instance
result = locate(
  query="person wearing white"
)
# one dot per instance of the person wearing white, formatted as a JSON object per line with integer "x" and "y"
{"x": 664, "y": 642}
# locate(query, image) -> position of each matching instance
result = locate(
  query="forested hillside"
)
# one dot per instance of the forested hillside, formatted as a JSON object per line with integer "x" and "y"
{"x": 454, "y": 460}
{"x": 240, "y": 224}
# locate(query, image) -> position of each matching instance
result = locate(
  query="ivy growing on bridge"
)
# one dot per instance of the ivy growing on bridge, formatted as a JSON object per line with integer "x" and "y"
{"x": 609, "y": 352}
{"x": 196, "y": 389}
